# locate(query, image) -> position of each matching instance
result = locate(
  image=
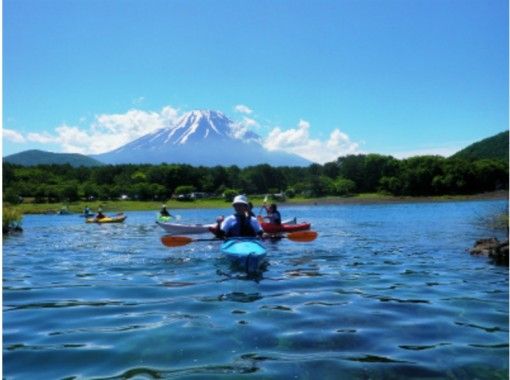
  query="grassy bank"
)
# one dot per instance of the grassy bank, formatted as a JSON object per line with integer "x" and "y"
{"x": 120, "y": 206}
{"x": 11, "y": 219}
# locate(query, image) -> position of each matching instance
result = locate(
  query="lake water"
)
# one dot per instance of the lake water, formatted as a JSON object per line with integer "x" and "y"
{"x": 386, "y": 291}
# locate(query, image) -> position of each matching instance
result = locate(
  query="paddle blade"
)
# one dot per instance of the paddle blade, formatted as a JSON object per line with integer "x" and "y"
{"x": 175, "y": 241}
{"x": 302, "y": 236}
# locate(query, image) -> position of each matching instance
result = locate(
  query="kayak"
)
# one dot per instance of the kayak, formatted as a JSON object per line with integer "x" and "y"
{"x": 290, "y": 221}
{"x": 247, "y": 253}
{"x": 109, "y": 219}
{"x": 270, "y": 228}
{"x": 86, "y": 215}
{"x": 186, "y": 229}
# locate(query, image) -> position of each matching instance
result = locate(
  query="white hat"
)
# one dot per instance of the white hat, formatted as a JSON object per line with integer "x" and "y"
{"x": 240, "y": 199}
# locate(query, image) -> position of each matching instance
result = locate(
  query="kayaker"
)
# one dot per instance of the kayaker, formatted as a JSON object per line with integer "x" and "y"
{"x": 273, "y": 215}
{"x": 100, "y": 214}
{"x": 86, "y": 211}
{"x": 241, "y": 223}
{"x": 164, "y": 212}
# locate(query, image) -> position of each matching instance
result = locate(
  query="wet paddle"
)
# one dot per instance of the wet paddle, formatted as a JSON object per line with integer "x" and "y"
{"x": 179, "y": 241}
{"x": 301, "y": 236}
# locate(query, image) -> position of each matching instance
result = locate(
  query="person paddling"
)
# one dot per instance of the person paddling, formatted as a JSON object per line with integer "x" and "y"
{"x": 164, "y": 212}
{"x": 273, "y": 215}
{"x": 241, "y": 223}
{"x": 100, "y": 214}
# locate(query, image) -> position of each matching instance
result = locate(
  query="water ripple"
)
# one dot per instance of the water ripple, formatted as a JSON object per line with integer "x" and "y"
{"x": 385, "y": 292}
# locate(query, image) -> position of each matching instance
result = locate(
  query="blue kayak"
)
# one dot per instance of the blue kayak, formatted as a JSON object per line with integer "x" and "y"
{"x": 247, "y": 253}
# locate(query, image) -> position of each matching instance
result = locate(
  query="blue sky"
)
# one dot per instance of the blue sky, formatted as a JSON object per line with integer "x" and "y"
{"x": 317, "y": 78}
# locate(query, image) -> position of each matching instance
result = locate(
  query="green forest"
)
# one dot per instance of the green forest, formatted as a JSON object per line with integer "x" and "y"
{"x": 349, "y": 175}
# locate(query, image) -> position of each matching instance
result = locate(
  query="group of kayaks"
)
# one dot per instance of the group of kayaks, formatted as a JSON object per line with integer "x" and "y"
{"x": 246, "y": 253}
{"x": 268, "y": 228}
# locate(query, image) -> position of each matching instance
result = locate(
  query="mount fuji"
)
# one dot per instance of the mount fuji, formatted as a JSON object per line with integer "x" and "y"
{"x": 200, "y": 138}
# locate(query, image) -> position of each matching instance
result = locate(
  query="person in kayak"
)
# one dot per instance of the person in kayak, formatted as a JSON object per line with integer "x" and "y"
{"x": 164, "y": 212}
{"x": 100, "y": 214}
{"x": 241, "y": 223}
{"x": 273, "y": 215}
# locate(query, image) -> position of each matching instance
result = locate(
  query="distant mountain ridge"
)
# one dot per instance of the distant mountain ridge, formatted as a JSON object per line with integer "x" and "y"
{"x": 38, "y": 157}
{"x": 201, "y": 138}
{"x": 495, "y": 147}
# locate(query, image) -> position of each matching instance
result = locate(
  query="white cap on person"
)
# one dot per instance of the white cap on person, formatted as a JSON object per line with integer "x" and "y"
{"x": 240, "y": 199}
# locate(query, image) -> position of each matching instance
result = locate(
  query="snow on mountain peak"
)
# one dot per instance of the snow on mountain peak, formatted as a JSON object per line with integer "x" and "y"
{"x": 198, "y": 126}
{"x": 201, "y": 124}
{"x": 201, "y": 137}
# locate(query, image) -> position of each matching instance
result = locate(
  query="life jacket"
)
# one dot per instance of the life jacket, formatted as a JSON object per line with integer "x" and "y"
{"x": 242, "y": 227}
{"x": 275, "y": 217}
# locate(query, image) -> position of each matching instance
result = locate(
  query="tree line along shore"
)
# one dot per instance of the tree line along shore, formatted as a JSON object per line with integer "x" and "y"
{"x": 349, "y": 176}
{"x": 77, "y": 207}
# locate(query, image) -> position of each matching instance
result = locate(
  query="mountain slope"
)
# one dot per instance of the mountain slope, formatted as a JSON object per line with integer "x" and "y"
{"x": 38, "y": 157}
{"x": 201, "y": 138}
{"x": 492, "y": 147}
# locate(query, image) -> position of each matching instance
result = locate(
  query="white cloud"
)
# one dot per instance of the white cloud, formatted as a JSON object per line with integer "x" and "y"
{"x": 138, "y": 100}
{"x": 73, "y": 139}
{"x": 298, "y": 141}
{"x": 170, "y": 114}
{"x": 41, "y": 138}
{"x": 108, "y": 131}
{"x": 249, "y": 123}
{"x": 12, "y": 135}
{"x": 239, "y": 130}
{"x": 243, "y": 128}
{"x": 241, "y": 108}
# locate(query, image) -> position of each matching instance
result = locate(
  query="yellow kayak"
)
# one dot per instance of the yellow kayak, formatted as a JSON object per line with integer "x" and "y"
{"x": 109, "y": 219}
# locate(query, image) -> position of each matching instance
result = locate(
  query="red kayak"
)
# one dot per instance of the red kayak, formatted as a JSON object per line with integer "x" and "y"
{"x": 271, "y": 228}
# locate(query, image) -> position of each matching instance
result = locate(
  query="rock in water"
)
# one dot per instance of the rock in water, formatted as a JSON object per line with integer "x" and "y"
{"x": 493, "y": 248}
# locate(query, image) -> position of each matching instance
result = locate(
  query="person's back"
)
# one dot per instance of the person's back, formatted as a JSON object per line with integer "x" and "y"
{"x": 239, "y": 226}
{"x": 164, "y": 212}
{"x": 241, "y": 223}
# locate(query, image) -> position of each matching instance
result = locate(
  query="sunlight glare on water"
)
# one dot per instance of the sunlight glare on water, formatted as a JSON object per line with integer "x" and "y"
{"x": 386, "y": 291}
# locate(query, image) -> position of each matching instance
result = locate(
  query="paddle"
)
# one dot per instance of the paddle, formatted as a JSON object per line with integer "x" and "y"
{"x": 301, "y": 236}
{"x": 261, "y": 207}
{"x": 178, "y": 241}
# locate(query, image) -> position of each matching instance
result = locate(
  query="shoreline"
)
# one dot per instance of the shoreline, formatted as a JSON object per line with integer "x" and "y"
{"x": 368, "y": 199}
{"x": 360, "y": 199}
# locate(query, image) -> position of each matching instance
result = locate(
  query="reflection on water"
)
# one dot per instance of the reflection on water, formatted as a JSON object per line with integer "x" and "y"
{"x": 386, "y": 291}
